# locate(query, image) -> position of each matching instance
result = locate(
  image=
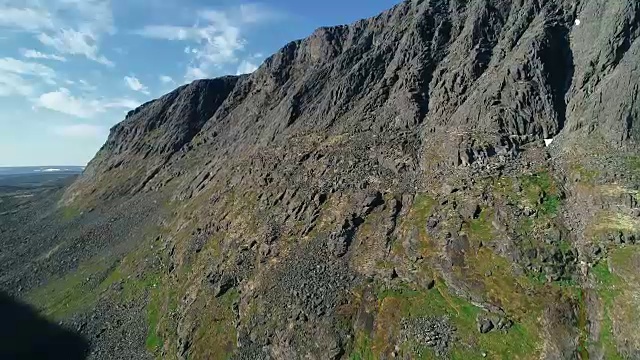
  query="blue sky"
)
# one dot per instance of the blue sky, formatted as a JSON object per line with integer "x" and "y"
{"x": 71, "y": 69}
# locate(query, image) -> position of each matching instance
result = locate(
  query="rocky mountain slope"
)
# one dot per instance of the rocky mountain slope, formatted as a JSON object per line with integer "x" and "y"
{"x": 376, "y": 190}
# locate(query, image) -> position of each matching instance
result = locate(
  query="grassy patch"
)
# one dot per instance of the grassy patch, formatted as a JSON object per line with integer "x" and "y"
{"x": 405, "y": 302}
{"x": 633, "y": 163}
{"x": 162, "y": 327}
{"x": 564, "y": 246}
{"x": 414, "y": 224}
{"x": 583, "y": 326}
{"x": 539, "y": 231}
{"x": 481, "y": 228}
{"x": 133, "y": 285}
{"x": 525, "y": 227}
{"x": 501, "y": 287}
{"x": 607, "y": 281}
{"x": 154, "y": 341}
{"x": 362, "y": 348}
{"x": 616, "y": 222}
{"x": 483, "y": 274}
{"x": 537, "y": 278}
{"x": 69, "y": 213}
{"x": 616, "y": 191}
{"x": 540, "y": 180}
{"x": 541, "y": 193}
{"x": 74, "y": 292}
{"x": 608, "y": 289}
{"x": 137, "y": 277}
{"x": 537, "y": 191}
{"x": 587, "y": 176}
{"x": 422, "y": 208}
{"x": 550, "y": 205}
{"x": 215, "y": 336}
{"x": 618, "y": 284}
{"x": 506, "y": 186}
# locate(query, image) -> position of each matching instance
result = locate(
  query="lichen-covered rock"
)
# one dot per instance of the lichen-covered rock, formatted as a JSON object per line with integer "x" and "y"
{"x": 374, "y": 190}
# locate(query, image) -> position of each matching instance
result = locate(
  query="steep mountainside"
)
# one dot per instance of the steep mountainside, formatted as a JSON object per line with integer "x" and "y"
{"x": 377, "y": 190}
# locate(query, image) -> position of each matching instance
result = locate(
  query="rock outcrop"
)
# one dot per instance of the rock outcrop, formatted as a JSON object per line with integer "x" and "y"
{"x": 382, "y": 189}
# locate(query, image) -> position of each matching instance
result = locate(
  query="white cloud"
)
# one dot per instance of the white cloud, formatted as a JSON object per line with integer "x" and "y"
{"x": 80, "y": 131}
{"x": 12, "y": 84}
{"x": 26, "y": 19}
{"x": 195, "y": 73}
{"x": 73, "y": 27}
{"x": 246, "y": 67}
{"x": 68, "y": 41}
{"x": 26, "y": 68}
{"x": 34, "y": 54}
{"x": 217, "y": 43}
{"x": 166, "y": 79}
{"x": 64, "y": 102}
{"x": 94, "y": 15}
{"x": 134, "y": 84}
{"x": 216, "y": 39}
{"x": 86, "y": 86}
{"x": 128, "y": 104}
{"x": 169, "y": 32}
{"x": 256, "y": 12}
{"x": 19, "y": 77}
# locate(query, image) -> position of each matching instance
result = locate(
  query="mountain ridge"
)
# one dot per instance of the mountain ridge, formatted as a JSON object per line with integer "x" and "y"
{"x": 376, "y": 190}
{"x": 502, "y": 126}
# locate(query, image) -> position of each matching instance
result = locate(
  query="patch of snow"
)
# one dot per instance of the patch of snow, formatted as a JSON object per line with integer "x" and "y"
{"x": 548, "y": 142}
{"x": 577, "y": 22}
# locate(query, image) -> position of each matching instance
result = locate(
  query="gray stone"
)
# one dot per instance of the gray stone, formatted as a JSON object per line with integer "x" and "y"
{"x": 485, "y": 325}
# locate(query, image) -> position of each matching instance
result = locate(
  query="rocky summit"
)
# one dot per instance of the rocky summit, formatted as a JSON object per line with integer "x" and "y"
{"x": 454, "y": 179}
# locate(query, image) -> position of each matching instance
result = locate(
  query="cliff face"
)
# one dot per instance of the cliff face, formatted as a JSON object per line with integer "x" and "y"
{"x": 141, "y": 145}
{"x": 463, "y": 81}
{"x": 383, "y": 189}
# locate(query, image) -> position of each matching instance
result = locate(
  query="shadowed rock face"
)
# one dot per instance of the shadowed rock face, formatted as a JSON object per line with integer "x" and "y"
{"x": 380, "y": 189}
{"x": 26, "y": 335}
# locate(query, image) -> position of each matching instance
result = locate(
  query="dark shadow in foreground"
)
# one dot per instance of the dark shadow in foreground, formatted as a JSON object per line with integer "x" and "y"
{"x": 24, "y": 334}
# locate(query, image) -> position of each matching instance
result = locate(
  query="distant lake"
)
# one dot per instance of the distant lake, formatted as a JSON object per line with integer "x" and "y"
{"x": 26, "y": 170}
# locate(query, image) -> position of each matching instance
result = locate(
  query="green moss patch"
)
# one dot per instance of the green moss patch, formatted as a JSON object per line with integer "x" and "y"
{"x": 68, "y": 213}
{"x": 215, "y": 336}
{"x": 586, "y": 175}
{"x": 542, "y": 193}
{"x": 153, "y": 341}
{"x": 618, "y": 284}
{"x": 415, "y": 221}
{"x": 75, "y": 292}
{"x": 135, "y": 278}
{"x": 362, "y": 348}
{"x": 481, "y": 228}
{"x": 633, "y": 163}
{"x": 422, "y": 208}
{"x": 395, "y": 304}
{"x": 608, "y": 289}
